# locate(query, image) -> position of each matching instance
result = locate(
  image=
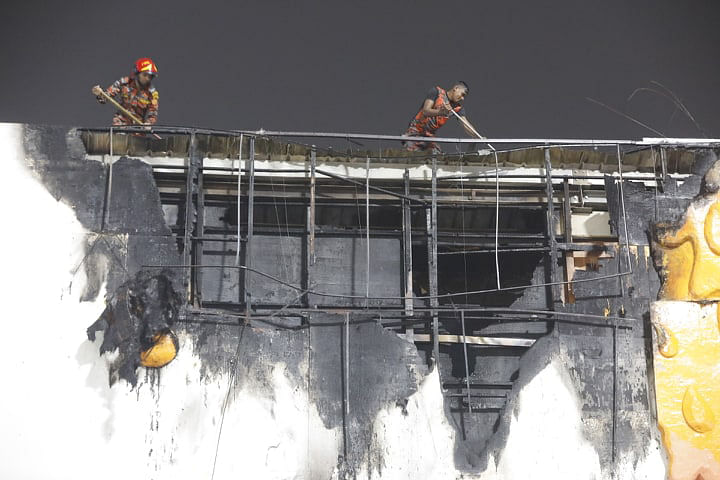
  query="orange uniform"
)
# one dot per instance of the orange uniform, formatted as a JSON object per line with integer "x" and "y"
{"x": 143, "y": 102}
{"x": 422, "y": 126}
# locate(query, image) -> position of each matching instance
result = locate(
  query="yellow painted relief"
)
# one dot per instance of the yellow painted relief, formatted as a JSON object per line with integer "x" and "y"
{"x": 687, "y": 363}
{"x": 691, "y": 256}
{"x": 688, "y": 389}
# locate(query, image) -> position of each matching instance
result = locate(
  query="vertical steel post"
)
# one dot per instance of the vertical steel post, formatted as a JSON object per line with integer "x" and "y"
{"x": 569, "y": 259}
{"x": 191, "y": 186}
{"x": 407, "y": 254}
{"x": 200, "y": 233}
{"x": 345, "y": 344}
{"x": 239, "y": 192}
{"x": 250, "y": 228}
{"x": 311, "y": 233}
{"x": 467, "y": 368}
{"x": 550, "y": 220}
{"x": 367, "y": 232}
{"x": 432, "y": 261}
{"x": 108, "y": 188}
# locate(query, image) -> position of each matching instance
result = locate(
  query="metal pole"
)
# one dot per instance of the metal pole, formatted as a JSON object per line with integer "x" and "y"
{"x": 346, "y": 385}
{"x": 467, "y": 368}
{"x": 407, "y": 251}
{"x": 190, "y": 212}
{"x": 347, "y": 363}
{"x": 569, "y": 259}
{"x": 622, "y": 207}
{"x": 367, "y": 230}
{"x": 432, "y": 263}
{"x": 239, "y": 190}
{"x": 551, "y": 228}
{"x": 313, "y": 160}
{"x": 250, "y": 226}
{"x": 108, "y": 190}
{"x": 200, "y": 233}
{"x": 537, "y": 141}
{"x": 497, "y": 218}
{"x": 375, "y": 189}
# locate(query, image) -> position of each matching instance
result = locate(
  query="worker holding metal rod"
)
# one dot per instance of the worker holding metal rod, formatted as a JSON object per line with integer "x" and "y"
{"x": 134, "y": 97}
{"x": 437, "y": 107}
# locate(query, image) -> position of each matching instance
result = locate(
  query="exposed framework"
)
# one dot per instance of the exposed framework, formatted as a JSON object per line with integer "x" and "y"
{"x": 427, "y": 314}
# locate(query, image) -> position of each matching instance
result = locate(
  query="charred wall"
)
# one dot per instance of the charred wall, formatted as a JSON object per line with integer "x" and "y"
{"x": 344, "y": 349}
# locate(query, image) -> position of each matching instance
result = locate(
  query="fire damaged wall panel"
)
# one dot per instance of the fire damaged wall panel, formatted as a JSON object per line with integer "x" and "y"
{"x": 133, "y": 190}
{"x": 340, "y": 269}
{"x": 280, "y": 257}
{"x": 221, "y": 280}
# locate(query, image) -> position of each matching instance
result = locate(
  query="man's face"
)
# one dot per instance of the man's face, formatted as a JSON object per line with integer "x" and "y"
{"x": 457, "y": 94}
{"x": 144, "y": 79}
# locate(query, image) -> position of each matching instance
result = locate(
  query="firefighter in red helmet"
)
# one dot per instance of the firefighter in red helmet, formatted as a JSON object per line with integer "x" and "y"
{"x": 135, "y": 93}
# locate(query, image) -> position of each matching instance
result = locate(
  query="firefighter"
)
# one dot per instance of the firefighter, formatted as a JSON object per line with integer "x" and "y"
{"x": 434, "y": 113}
{"x": 135, "y": 93}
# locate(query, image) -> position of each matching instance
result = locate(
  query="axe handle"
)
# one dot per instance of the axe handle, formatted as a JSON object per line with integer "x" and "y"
{"x": 126, "y": 112}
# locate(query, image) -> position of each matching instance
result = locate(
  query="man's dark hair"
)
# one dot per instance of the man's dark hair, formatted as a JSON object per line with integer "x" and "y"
{"x": 460, "y": 83}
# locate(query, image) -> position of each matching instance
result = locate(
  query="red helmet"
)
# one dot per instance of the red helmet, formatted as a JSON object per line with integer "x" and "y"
{"x": 146, "y": 65}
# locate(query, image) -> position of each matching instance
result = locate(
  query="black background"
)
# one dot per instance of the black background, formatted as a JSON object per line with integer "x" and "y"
{"x": 365, "y": 66}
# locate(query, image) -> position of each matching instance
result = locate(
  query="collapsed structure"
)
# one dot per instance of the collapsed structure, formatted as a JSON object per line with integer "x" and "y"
{"x": 521, "y": 283}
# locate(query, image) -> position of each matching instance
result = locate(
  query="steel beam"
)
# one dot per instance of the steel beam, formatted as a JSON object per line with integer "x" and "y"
{"x": 199, "y": 234}
{"x": 250, "y": 227}
{"x": 431, "y": 220}
{"x": 311, "y": 223}
{"x": 550, "y": 226}
{"x": 407, "y": 252}
{"x": 191, "y": 190}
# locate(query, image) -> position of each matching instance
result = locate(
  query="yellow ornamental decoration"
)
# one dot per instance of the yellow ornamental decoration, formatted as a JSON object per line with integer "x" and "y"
{"x": 668, "y": 344}
{"x": 691, "y": 256}
{"x": 697, "y": 412}
{"x": 687, "y": 386}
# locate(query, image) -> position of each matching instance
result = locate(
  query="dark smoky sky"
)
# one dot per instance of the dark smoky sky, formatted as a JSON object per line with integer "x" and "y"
{"x": 365, "y": 66}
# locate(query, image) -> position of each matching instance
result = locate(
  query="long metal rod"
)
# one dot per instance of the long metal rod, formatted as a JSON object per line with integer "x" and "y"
{"x": 467, "y": 368}
{"x": 407, "y": 250}
{"x": 367, "y": 231}
{"x": 366, "y": 136}
{"x": 190, "y": 212}
{"x": 250, "y": 226}
{"x": 433, "y": 265}
{"x": 198, "y": 246}
{"x": 346, "y": 385}
{"x": 311, "y": 233}
{"x": 497, "y": 217}
{"x": 622, "y": 205}
{"x": 108, "y": 190}
{"x": 387, "y": 313}
{"x": 431, "y": 298}
{"x": 646, "y": 141}
{"x": 377, "y": 189}
{"x": 239, "y": 191}
{"x": 347, "y": 364}
{"x": 551, "y": 229}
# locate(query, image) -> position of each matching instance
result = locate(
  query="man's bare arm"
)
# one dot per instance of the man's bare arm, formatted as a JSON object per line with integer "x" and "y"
{"x": 429, "y": 111}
